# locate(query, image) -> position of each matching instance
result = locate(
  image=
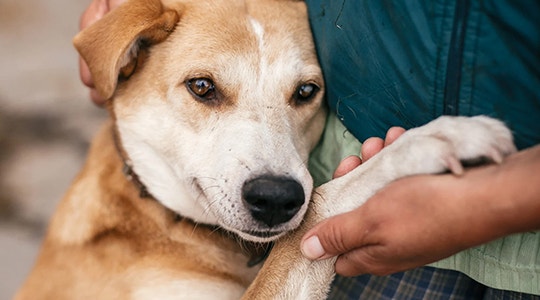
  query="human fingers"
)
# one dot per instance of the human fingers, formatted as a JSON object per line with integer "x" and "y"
{"x": 392, "y": 134}
{"x": 347, "y": 165}
{"x": 373, "y": 145}
{"x": 334, "y": 236}
{"x": 86, "y": 78}
{"x": 360, "y": 261}
{"x": 372, "y": 259}
{"x": 403, "y": 228}
{"x": 370, "y": 147}
{"x": 95, "y": 11}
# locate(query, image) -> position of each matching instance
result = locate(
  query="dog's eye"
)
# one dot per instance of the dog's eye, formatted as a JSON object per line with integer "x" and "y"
{"x": 202, "y": 88}
{"x": 305, "y": 92}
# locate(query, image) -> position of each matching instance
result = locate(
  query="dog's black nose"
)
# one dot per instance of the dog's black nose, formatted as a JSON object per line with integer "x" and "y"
{"x": 273, "y": 200}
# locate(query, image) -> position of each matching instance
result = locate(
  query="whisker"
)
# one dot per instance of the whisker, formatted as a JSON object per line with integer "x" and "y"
{"x": 207, "y": 209}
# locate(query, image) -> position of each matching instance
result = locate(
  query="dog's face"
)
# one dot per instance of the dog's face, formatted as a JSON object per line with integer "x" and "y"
{"x": 219, "y": 117}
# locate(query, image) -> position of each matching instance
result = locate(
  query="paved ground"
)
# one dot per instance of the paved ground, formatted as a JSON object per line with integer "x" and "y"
{"x": 46, "y": 121}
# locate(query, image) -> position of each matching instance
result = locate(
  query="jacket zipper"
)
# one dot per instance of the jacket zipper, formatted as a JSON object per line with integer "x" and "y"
{"x": 455, "y": 58}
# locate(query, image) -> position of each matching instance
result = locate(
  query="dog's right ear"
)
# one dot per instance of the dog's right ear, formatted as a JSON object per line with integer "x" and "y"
{"x": 111, "y": 45}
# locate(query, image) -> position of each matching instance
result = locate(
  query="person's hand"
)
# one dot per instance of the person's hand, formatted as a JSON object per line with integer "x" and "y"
{"x": 421, "y": 219}
{"x": 399, "y": 228}
{"x": 95, "y": 11}
{"x": 385, "y": 235}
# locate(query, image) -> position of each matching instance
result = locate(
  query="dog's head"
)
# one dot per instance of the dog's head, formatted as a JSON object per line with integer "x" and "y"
{"x": 217, "y": 104}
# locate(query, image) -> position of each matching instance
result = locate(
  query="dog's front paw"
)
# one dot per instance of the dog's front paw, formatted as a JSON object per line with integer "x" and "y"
{"x": 448, "y": 143}
{"x": 442, "y": 145}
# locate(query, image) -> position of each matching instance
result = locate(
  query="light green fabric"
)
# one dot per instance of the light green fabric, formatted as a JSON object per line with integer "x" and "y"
{"x": 336, "y": 144}
{"x": 511, "y": 263}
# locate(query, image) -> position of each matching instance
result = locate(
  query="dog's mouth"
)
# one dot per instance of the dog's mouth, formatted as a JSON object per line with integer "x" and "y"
{"x": 264, "y": 234}
{"x": 265, "y": 211}
{"x": 260, "y": 236}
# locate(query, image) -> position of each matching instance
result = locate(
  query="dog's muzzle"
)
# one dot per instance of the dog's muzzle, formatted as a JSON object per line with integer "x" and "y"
{"x": 273, "y": 200}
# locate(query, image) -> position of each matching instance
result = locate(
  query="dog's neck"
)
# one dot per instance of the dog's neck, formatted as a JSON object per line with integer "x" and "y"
{"x": 127, "y": 167}
{"x": 257, "y": 251}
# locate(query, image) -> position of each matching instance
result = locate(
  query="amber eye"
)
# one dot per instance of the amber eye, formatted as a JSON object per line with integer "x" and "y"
{"x": 305, "y": 92}
{"x": 202, "y": 88}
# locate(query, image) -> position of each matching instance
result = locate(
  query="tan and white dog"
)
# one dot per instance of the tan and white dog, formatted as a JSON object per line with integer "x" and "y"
{"x": 215, "y": 106}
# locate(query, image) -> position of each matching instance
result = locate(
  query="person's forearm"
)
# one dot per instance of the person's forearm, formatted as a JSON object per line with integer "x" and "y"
{"x": 518, "y": 182}
{"x": 508, "y": 196}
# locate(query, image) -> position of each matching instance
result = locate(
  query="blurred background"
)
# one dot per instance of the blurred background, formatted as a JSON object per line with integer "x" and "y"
{"x": 46, "y": 122}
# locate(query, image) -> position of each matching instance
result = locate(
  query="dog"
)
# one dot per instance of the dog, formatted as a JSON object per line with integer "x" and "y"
{"x": 215, "y": 106}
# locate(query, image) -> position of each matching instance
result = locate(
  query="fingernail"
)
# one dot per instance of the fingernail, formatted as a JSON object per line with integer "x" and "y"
{"x": 312, "y": 248}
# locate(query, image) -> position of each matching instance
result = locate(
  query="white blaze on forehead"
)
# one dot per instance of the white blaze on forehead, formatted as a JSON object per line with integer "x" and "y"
{"x": 259, "y": 34}
{"x": 259, "y": 31}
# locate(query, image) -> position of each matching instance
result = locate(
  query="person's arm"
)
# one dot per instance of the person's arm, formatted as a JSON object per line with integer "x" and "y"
{"x": 421, "y": 219}
{"x": 95, "y": 11}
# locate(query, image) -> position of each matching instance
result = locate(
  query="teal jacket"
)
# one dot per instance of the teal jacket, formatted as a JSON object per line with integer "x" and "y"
{"x": 407, "y": 62}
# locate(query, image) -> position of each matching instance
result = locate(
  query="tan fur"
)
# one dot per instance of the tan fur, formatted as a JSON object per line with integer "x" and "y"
{"x": 103, "y": 232}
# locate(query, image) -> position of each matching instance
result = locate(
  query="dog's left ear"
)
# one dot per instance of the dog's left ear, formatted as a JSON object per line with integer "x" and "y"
{"x": 111, "y": 45}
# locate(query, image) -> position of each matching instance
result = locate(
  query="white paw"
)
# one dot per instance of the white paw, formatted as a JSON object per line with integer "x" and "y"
{"x": 448, "y": 142}
{"x": 439, "y": 146}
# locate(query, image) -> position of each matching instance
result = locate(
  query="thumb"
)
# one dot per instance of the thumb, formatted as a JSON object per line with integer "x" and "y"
{"x": 333, "y": 236}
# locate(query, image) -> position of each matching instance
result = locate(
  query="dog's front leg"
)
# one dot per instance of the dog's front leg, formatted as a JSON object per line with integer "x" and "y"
{"x": 287, "y": 274}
